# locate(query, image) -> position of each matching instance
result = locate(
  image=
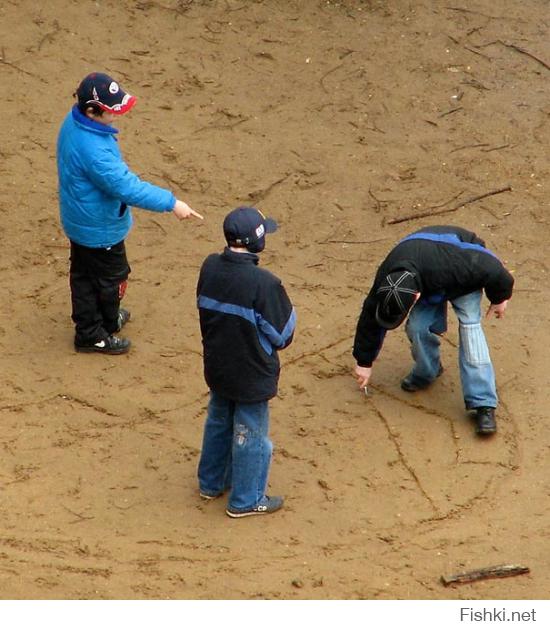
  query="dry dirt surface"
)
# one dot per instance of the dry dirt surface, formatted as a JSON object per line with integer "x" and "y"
{"x": 342, "y": 120}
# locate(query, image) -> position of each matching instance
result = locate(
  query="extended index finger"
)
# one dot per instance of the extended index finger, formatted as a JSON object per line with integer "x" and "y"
{"x": 196, "y": 214}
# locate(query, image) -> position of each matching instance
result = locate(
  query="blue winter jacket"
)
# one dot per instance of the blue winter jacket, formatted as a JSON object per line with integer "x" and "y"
{"x": 96, "y": 187}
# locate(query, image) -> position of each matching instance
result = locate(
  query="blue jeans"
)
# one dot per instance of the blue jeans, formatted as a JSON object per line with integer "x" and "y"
{"x": 427, "y": 322}
{"x": 236, "y": 451}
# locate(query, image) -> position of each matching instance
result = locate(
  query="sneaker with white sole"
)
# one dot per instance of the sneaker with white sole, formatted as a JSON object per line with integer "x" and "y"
{"x": 111, "y": 345}
{"x": 210, "y": 497}
{"x": 267, "y": 505}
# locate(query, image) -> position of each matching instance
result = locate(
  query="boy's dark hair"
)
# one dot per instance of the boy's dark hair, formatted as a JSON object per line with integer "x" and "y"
{"x": 84, "y": 107}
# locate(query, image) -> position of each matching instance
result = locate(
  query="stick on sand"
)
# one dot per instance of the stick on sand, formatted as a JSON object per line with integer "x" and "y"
{"x": 499, "y": 571}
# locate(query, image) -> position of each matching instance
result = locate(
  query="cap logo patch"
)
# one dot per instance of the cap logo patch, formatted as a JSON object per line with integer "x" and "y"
{"x": 94, "y": 94}
{"x": 113, "y": 87}
{"x": 260, "y": 230}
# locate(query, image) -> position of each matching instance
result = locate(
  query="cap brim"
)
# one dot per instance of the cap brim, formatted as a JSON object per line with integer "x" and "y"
{"x": 127, "y": 103}
{"x": 389, "y": 324}
{"x": 270, "y": 226}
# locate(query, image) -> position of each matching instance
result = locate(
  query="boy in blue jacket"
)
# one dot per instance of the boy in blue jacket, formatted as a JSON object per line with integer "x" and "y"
{"x": 96, "y": 190}
{"x": 246, "y": 317}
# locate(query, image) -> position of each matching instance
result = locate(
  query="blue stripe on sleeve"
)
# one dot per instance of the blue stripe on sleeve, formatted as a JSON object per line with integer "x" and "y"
{"x": 449, "y": 239}
{"x": 226, "y": 307}
{"x": 267, "y": 335}
{"x": 290, "y": 326}
{"x": 279, "y": 340}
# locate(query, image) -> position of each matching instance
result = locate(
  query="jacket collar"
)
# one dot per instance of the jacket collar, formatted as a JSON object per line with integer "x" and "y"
{"x": 86, "y": 122}
{"x": 242, "y": 258}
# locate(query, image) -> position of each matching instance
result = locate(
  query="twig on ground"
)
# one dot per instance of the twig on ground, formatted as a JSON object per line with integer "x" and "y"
{"x": 376, "y": 240}
{"x": 451, "y": 111}
{"x": 378, "y": 202}
{"x": 499, "y": 571}
{"x": 5, "y": 62}
{"x": 490, "y": 17}
{"x": 222, "y": 126}
{"x": 476, "y": 52}
{"x": 441, "y": 205}
{"x": 161, "y": 227}
{"x": 231, "y": 9}
{"x": 258, "y": 195}
{"x": 429, "y": 213}
{"x": 502, "y": 146}
{"x": 321, "y": 80}
{"x": 521, "y": 50}
{"x": 81, "y": 517}
{"x": 470, "y": 146}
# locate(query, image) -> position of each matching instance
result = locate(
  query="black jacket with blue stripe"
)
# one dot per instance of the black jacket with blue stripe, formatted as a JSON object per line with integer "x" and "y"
{"x": 448, "y": 262}
{"x": 246, "y": 317}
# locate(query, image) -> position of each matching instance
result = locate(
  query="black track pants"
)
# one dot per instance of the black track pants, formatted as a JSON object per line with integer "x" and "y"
{"x": 98, "y": 279}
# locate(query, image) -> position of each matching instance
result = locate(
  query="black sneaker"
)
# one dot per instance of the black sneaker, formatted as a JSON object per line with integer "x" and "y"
{"x": 409, "y": 385}
{"x": 485, "y": 421}
{"x": 123, "y": 318}
{"x": 111, "y": 345}
{"x": 266, "y": 506}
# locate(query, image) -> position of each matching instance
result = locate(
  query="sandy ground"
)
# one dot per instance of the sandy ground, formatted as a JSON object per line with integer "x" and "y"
{"x": 336, "y": 118}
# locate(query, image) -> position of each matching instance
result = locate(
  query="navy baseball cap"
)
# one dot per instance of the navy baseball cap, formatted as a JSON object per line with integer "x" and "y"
{"x": 102, "y": 90}
{"x": 396, "y": 296}
{"x": 247, "y": 227}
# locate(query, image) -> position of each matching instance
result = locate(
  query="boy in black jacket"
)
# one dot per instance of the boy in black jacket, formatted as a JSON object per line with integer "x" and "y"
{"x": 422, "y": 273}
{"x": 245, "y": 318}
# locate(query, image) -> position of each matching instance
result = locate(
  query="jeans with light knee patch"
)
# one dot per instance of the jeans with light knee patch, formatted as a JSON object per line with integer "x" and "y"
{"x": 425, "y": 325}
{"x": 236, "y": 451}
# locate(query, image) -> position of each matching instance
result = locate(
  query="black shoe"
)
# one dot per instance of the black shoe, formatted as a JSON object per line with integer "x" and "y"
{"x": 123, "y": 318}
{"x": 111, "y": 345}
{"x": 408, "y": 384}
{"x": 485, "y": 421}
